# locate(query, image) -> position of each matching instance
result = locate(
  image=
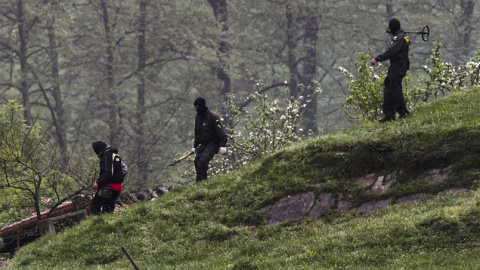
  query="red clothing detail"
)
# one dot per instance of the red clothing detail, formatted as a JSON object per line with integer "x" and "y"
{"x": 115, "y": 186}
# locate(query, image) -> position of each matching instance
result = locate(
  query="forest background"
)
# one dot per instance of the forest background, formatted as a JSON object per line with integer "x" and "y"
{"x": 127, "y": 72}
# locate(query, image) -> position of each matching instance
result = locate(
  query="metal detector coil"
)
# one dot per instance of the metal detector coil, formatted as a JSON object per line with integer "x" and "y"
{"x": 425, "y": 32}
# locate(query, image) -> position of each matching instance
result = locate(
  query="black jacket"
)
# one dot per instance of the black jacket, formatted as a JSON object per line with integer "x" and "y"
{"x": 106, "y": 172}
{"x": 397, "y": 50}
{"x": 209, "y": 130}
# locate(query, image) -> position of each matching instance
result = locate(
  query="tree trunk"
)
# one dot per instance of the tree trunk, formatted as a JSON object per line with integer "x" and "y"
{"x": 141, "y": 91}
{"x": 23, "y": 56}
{"x": 115, "y": 118}
{"x": 221, "y": 16}
{"x": 58, "y": 112}
{"x": 291, "y": 46}
{"x": 464, "y": 31}
{"x": 389, "y": 9}
{"x": 309, "y": 70}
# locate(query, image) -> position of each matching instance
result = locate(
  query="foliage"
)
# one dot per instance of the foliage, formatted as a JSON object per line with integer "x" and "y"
{"x": 444, "y": 77}
{"x": 364, "y": 102}
{"x": 126, "y": 71}
{"x": 272, "y": 125}
{"x": 221, "y": 223}
{"x": 29, "y": 179}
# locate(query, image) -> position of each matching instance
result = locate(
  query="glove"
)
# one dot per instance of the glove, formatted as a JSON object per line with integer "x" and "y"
{"x": 373, "y": 61}
{"x": 222, "y": 150}
{"x": 193, "y": 150}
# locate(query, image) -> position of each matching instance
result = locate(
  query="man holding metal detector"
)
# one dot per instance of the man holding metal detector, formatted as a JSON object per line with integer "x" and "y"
{"x": 397, "y": 53}
{"x": 210, "y": 138}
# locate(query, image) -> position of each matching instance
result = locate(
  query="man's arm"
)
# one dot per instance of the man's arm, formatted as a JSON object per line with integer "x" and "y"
{"x": 395, "y": 47}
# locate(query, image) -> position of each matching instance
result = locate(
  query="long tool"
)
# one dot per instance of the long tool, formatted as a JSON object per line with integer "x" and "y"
{"x": 180, "y": 159}
{"x": 130, "y": 258}
{"x": 425, "y": 32}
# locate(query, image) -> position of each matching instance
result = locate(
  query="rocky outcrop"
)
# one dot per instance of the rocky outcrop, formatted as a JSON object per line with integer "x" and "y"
{"x": 308, "y": 205}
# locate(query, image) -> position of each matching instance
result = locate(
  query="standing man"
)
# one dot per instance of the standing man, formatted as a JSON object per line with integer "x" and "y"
{"x": 210, "y": 138}
{"x": 397, "y": 53}
{"x": 107, "y": 186}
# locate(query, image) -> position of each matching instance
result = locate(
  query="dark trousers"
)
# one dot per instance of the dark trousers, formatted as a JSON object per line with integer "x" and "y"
{"x": 101, "y": 205}
{"x": 203, "y": 156}
{"x": 393, "y": 99}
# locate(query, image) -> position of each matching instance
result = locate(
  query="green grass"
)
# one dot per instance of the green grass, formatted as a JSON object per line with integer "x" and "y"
{"x": 218, "y": 224}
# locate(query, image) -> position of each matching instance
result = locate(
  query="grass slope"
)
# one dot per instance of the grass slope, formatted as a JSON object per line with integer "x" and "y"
{"x": 218, "y": 224}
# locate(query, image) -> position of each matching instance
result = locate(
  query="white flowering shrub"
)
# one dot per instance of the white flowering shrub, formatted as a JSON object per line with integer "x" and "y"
{"x": 269, "y": 125}
{"x": 444, "y": 77}
{"x": 472, "y": 69}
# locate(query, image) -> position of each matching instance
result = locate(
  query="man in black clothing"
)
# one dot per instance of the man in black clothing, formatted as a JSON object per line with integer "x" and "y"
{"x": 108, "y": 188}
{"x": 397, "y": 53}
{"x": 210, "y": 138}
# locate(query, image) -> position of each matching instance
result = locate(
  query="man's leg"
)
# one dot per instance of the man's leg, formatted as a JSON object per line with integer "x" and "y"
{"x": 202, "y": 159}
{"x": 388, "y": 104}
{"x": 200, "y": 167}
{"x": 400, "y": 102}
{"x": 96, "y": 204}
{"x": 109, "y": 204}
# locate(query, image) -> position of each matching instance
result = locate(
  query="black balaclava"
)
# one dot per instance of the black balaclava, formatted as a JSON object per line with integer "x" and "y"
{"x": 394, "y": 25}
{"x": 98, "y": 147}
{"x": 200, "y": 105}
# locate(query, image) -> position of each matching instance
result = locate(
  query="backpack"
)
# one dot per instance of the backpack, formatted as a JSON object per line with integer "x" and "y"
{"x": 119, "y": 168}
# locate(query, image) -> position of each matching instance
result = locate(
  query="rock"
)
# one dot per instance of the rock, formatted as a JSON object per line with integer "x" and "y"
{"x": 366, "y": 181}
{"x": 453, "y": 191}
{"x": 291, "y": 207}
{"x": 410, "y": 199}
{"x": 383, "y": 183}
{"x": 437, "y": 175}
{"x": 374, "y": 206}
{"x": 344, "y": 205}
{"x": 324, "y": 202}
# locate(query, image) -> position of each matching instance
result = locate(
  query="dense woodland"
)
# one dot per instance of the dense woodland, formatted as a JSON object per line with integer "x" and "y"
{"x": 127, "y": 72}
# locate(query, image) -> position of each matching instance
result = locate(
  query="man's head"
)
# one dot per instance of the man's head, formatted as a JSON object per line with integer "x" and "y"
{"x": 98, "y": 147}
{"x": 200, "y": 105}
{"x": 394, "y": 25}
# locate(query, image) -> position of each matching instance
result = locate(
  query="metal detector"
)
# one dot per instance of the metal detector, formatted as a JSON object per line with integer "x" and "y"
{"x": 425, "y": 32}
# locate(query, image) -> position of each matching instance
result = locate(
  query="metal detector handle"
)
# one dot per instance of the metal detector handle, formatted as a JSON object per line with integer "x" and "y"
{"x": 425, "y": 32}
{"x": 180, "y": 159}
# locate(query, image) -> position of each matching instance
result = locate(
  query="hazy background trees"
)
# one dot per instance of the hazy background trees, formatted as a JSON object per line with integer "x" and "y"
{"x": 127, "y": 72}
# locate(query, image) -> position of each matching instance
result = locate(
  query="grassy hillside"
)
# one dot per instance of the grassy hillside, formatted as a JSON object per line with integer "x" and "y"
{"x": 218, "y": 224}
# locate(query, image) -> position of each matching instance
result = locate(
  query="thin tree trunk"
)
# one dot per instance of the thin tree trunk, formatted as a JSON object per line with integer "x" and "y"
{"x": 292, "y": 58}
{"x": 465, "y": 29}
{"x": 23, "y": 55}
{"x": 309, "y": 70}
{"x": 115, "y": 119}
{"x": 221, "y": 16}
{"x": 141, "y": 91}
{"x": 58, "y": 115}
